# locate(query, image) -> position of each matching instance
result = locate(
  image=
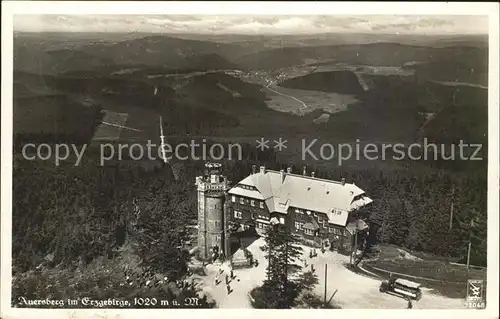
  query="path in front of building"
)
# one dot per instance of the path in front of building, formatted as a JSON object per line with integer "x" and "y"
{"x": 353, "y": 291}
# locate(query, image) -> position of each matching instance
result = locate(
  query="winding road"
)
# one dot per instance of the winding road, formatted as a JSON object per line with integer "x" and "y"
{"x": 304, "y": 105}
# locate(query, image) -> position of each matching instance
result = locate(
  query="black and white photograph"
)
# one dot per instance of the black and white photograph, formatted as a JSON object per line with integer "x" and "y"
{"x": 250, "y": 161}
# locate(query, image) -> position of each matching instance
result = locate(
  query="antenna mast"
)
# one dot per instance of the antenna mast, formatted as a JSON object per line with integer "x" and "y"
{"x": 162, "y": 137}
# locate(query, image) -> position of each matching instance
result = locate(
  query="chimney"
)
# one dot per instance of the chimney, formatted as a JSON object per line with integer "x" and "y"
{"x": 289, "y": 170}
{"x": 254, "y": 169}
{"x": 282, "y": 175}
{"x": 312, "y": 174}
{"x": 262, "y": 169}
{"x": 343, "y": 180}
{"x": 304, "y": 172}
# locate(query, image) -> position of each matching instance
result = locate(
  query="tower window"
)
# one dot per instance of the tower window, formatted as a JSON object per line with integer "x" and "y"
{"x": 252, "y": 202}
{"x": 242, "y": 200}
{"x": 233, "y": 198}
{"x": 261, "y": 204}
{"x": 282, "y": 220}
{"x": 237, "y": 214}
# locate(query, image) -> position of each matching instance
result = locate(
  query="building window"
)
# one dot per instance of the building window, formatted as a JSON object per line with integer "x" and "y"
{"x": 242, "y": 200}
{"x": 233, "y": 199}
{"x": 297, "y": 225}
{"x": 308, "y": 212}
{"x": 253, "y": 215}
{"x": 216, "y": 223}
{"x": 261, "y": 204}
{"x": 330, "y": 229}
{"x": 324, "y": 223}
{"x": 308, "y": 232}
{"x": 282, "y": 220}
{"x": 237, "y": 214}
{"x": 252, "y": 202}
{"x": 336, "y": 231}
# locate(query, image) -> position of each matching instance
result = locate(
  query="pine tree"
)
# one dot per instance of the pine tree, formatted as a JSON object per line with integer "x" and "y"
{"x": 282, "y": 286}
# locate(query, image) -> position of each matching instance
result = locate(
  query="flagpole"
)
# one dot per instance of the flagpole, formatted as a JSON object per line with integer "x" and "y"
{"x": 326, "y": 275}
{"x": 451, "y": 209}
{"x": 470, "y": 244}
{"x": 468, "y": 257}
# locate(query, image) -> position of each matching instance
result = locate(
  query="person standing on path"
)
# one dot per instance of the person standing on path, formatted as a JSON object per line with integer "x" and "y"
{"x": 410, "y": 306}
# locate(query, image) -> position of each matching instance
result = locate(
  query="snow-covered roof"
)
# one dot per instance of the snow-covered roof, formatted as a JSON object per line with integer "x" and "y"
{"x": 281, "y": 190}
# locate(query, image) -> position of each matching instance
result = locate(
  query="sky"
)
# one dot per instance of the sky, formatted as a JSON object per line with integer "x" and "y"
{"x": 264, "y": 24}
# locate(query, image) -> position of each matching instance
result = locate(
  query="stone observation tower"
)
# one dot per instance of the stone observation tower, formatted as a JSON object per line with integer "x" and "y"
{"x": 212, "y": 228}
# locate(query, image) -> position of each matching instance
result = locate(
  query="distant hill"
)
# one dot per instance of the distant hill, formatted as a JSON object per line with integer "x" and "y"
{"x": 158, "y": 50}
{"x": 211, "y": 61}
{"x": 469, "y": 68}
{"x": 342, "y": 82}
{"x": 37, "y": 61}
{"x": 447, "y": 62}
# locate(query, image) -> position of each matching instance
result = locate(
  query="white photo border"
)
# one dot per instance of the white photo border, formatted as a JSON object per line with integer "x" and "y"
{"x": 10, "y": 8}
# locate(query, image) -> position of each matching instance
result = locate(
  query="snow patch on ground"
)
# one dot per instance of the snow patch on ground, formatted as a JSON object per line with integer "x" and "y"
{"x": 353, "y": 291}
{"x": 403, "y": 254}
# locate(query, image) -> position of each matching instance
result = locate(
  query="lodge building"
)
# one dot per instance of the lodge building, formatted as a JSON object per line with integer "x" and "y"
{"x": 316, "y": 209}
